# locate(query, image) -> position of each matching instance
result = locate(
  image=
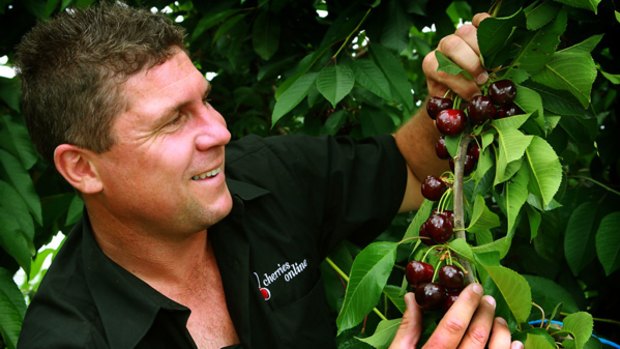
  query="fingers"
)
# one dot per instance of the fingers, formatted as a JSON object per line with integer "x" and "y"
{"x": 455, "y": 322}
{"x": 500, "y": 338}
{"x": 479, "y": 329}
{"x": 410, "y": 328}
{"x": 462, "y": 48}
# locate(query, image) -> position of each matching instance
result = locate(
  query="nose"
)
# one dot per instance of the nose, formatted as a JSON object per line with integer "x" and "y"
{"x": 212, "y": 129}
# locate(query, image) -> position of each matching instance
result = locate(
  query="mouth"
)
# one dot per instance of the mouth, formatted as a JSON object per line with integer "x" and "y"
{"x": 208, "y": 174}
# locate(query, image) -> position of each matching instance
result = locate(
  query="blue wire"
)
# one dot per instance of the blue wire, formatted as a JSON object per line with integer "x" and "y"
{"x": 602, "y": 340}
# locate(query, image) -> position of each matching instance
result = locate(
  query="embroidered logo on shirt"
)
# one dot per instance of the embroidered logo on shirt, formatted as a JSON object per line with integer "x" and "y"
{"x": 287, "y": 271}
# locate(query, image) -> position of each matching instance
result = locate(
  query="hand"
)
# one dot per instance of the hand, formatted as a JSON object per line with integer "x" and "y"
{"x": 462, "y": 48}
{"x": 469, "y": 323}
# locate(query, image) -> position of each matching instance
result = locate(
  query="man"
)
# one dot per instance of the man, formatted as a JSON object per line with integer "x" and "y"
{"x": 189, "y": 241}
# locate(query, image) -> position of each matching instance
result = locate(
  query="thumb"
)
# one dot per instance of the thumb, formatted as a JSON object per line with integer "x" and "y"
{"x": 410, "y": 328}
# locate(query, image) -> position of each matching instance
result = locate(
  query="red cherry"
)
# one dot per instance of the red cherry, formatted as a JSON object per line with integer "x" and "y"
{"x": 502, "y": 91}
{"x": 441, "y": 150}
{"x": 480, "y": 109}
{"x": 440, "y": 228}
{"x": 425, "y": 234}
{"x": 437, "y": 104}
{"x": 430, "y": 295}
{"x": 418, "y": 272}
{"x": 451, "y": 121}
{"x": 265, "y": 293}
{"x": 433, "y": 188}
{"x": 451, "y": 297}
{"x": 451, "y": 277}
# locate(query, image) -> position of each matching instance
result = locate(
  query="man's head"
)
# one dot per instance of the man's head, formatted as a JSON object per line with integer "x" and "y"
{"x": 115, "y": 102}
{"x": 73, "y": 66}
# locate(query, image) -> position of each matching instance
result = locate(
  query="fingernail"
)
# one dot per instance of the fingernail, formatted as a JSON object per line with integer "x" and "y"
{"x": 516, "y": 345}
{"x": 490, "y": 300}
{"x": 482, "y": 78}
{"x": 477, "y": 288}
{"x": 501, "y": 321}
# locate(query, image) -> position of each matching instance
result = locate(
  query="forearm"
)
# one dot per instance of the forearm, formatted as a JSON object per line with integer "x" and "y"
{"x": 416, "y": 141}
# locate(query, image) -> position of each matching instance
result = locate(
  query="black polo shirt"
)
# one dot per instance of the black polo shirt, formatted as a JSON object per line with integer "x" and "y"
{"x": 294, "y": 198}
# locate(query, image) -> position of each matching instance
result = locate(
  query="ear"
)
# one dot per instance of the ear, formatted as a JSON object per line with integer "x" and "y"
{"x": 76, "y": 166}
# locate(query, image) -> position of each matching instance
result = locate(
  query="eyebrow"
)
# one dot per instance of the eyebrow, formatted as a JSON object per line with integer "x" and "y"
{"x": 167, "y": 113}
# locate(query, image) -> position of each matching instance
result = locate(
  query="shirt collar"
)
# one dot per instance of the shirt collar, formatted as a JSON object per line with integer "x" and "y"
{"x": 127, "y": 305}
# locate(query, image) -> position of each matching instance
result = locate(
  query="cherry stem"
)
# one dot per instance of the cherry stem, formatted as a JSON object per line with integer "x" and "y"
{"x": 459, "y": 213}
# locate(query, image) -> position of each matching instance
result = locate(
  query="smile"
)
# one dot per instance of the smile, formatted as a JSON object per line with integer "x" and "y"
{"x": 208, "y": 174}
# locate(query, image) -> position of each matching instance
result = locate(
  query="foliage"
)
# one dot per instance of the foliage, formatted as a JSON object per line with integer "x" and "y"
{"x": 280, "y": 67}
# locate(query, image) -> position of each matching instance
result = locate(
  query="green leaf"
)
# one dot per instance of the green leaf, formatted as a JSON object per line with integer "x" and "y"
{"x": 292, "y": 96}
{"x": 369, "y": 76}
{"x": 580, "y": 324}
{"x": 14, "y": 205}
{"x": 539, "y": 341}
{"x": 572, "y": 71}
{"x": 545, "y": 168}
{"x": 211, "y": 20}
{"x": 14, "y": 138}
{"x": 548, "y": 294}
{"x": 369, "y": 273}
{"x": 74, "y": 211}
{"x": 446, "y": 65}
{"x": 586, "y": 45}
{"x": 512, "y": 143}
{"x": 19, "y": 177}
{"x": 608, "y": 242}
{"x": 500, "y": 246}
{"x": 396, "y": 296}
{"x": 12, "y": 309}
{"x": 534, "y": 218}
{"x": 14, "y": 241}
{"x": 385, "y": 332}
{"x": 495, "y": 34}
{"x": 579, "y": 237}
{"x": 541, "y": 13}
{"x": 334, "y": 82}
{"x": 266, "y": 34}
{"x": 393, "y": 70}
{"x": 481, "y": 217}
{"x": 10, "y": 92}
{"x": 514, "y": 289}
{"x": 421, "y": 215}
{"x": 462, "y": 248}
{"x": 539, "y": 48}
{"x": 591, "y": 5}
{"x": 516, "y": 196}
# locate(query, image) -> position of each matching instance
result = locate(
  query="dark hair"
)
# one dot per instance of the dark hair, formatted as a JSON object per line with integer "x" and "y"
{"x": 73, "y": 67}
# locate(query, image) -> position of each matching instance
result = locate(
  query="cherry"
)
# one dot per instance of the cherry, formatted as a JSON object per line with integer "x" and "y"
{"x": 502, "y": 91}
{"x": 430, "y": 295}
{"x": 440, "y": 228}
{"x": 441, "y": 150}
{"x": 451, "y": 297}
{"x": 433, "y": 188}
{"x": 451, "y": 277}
{"x": 418, "y": 272}
{"x": 473, "y": 150}
{"x": 480, "y": 109}
{"x": 449, "y": 215}
{"x": 437, "y": 104}
{"x": 507, "y": 110}
{"x": 425, "y": 234}
{"x": 451, "y": 121}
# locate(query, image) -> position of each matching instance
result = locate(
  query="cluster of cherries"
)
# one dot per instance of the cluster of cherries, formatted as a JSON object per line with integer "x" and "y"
{"x": 439, "y": 294}
{"x": 451, "y": 121}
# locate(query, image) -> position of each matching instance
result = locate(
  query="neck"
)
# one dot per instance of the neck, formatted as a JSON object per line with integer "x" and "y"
{"x": 157, "y": 259}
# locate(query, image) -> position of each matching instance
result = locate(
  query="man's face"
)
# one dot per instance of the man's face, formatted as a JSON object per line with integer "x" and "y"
{"x": 165, "y": 172}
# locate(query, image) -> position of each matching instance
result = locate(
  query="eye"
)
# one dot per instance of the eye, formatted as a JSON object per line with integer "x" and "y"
{"x": 178, "y": 119}
{"x": 206, "y": 101}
